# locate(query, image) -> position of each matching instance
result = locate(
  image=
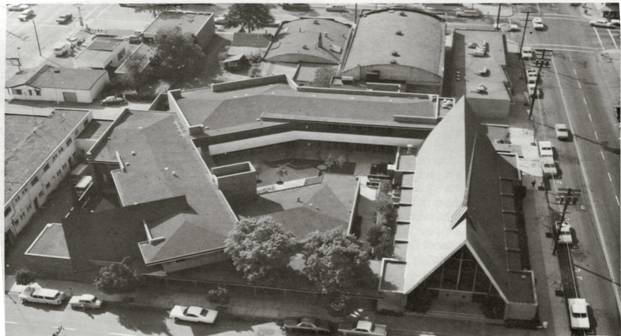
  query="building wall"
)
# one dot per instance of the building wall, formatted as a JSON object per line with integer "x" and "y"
{"x": 204, "y": 36}
{"x": 47, "y": 267}
{"x": 238, "y": 182}
{"x": 195, "y": 261}
{"x": 37, "y": 188}
{"x": 395, "y": 72}
{"x": 51, "y": 94}
{"x": 490, "y": 109}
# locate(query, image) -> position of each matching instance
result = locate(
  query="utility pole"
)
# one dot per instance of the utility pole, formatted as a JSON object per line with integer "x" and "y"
{"x": 37, "y": 36}
{"x": 80, "y": 14}
{"x": 498, "y": 17}
{"x": 541, "y": 61}
{"x": 356, "y": 13}
{"x": 560, "y": 222}
{"x": 524, "y": 32}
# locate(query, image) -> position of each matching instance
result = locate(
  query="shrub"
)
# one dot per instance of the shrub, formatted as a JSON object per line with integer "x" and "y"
{"x": 219, "y": 295}
{"x": 24, "y": 277}
{"x": 117, "y": 278}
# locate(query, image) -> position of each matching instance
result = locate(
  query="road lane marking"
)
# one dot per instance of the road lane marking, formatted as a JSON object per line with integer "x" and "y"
{"x": 613, "y": 38}
{"x": 596, "y": 135}
{"x": 579, "y": 84}
{"x": 119, "y": 334}
{"x": 610, "y": 177}
{"x": 590, "y": 118}
{"x": 602, "y": 154}
{"x": 575, "y": 72}
{"x": 617, "y": 198}
{"x": 584, "y": 100}
{"x": 10, "y": 322}
{"x": 598, "y": 224}
{"x": 598, "y": 38}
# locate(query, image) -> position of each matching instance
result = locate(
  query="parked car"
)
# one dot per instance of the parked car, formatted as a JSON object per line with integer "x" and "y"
{"x": 62, "y": 49}
{"x": 364, "y": 327}
{"x": 538, "y": 23}
{"x": 601, "y": 23}
{"x": 42, "y": 295}
{"x": 527, "y": 53}
{"x": 578, "y": 314}
{"x": 85, "y": 301}
{"x": 18, "y": 7}
{"x": 615, "y": 22}
{"x": 469, "y": 12}
{"x": 513, "y": 27}
{"x": 561, "y": 131}
{"x": 308, "y": 324}
{"x": 548, "y": 166}
{"x": 546, "y": 149}
{"x": 193, "y": 314}
{"x": 113, "y": 100}
{"x": 336, "y": 8}
{"x": 564, "y": 233}
{"x": 25, "y": 15}
{"x": 65, "y": 18}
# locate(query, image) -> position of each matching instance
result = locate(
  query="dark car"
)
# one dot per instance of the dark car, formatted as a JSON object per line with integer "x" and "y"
{"x": 309, "y": 324}
{"x": 298, "y": 7}
{"x": 66, "y": 18}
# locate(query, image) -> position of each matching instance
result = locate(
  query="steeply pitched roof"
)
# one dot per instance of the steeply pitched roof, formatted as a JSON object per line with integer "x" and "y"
{"x": 47, "y": 76}
{"x": 417, "y": 38}
{"x": 309, "y": 40}
{"x": 259, "y": 105}
{"x": 456, "y": 201}
{"x": 159, "y": 163}
{"x": 29, "y": 140}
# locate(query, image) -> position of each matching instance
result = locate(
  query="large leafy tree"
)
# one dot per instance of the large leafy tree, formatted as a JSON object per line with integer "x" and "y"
{"x": 248, "y": 16}
{"x": 260, "y": 248}
{"x": 177, "y": 57}
{"x": 335, "y": 261}
{"x": 24, "y": 277}
{"x": 117, "y": 278}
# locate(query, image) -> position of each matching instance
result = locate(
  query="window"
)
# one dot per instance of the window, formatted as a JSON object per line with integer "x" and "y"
{"x": 34, "y": 181}
{"x": 38, "y": 92}
{"x": 29, "y": 207}
{"x": 46, "y": 167}
{"x": 47, "y": 186}
{"x": 69, "y": 141}
{"x": 18, "y": 91}
{"x": 54, "y": 157}
{"x": 7, "y": 211}
{"x": 17, "y": 198}
{"x": 29, "y": 92}
{"x": 60, "y": 149}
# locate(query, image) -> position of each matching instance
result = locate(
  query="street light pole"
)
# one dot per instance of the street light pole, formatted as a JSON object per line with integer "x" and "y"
{"x": 498, "y": 17}
{"x": 80, "y": 15}
{"x": 37, "y": 37}
{"x": 524, "y": 33}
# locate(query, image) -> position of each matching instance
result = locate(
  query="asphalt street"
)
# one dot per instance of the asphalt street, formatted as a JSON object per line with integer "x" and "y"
{"x": 41, "y": 320}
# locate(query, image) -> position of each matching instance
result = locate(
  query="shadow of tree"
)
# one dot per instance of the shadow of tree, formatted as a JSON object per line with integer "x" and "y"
{"x": 146, "y": 320}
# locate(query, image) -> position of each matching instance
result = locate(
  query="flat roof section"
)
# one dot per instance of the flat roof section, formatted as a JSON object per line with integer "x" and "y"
{"x": 50, "y": 243}
{"x": 188, "y": 22}
{"x": 48, "y": 76}
{"x": 393, "y": 275}
{"x": 309, "y": 40}
{"x": 29, "y": 140}
{"x": 494, "y": 62}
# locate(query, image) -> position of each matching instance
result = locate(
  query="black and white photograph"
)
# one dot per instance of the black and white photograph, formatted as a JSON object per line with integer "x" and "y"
{"x": 183, "y": 168}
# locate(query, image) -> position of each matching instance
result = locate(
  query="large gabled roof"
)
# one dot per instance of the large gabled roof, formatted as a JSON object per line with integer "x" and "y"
{"x": 457, "y": 201}
{"x": 48, "y": 76}
{"x": 416, "y": 37}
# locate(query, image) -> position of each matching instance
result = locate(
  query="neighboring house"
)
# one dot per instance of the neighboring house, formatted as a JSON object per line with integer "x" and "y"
{"x": 49, "y": 83}
{"x": 199, "y": 24}
{"x": 103, "y": 53}
{"x": 144, "y": 52}
{"x": 39, "y": 151}
{"x": 309, "y": 40}
{"x": 403, "y": 46}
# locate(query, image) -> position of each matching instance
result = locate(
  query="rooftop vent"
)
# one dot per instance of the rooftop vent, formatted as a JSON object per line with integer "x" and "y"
{"x": 395, "y": 53}
{"x": 133, "y": 153}
{"x": 393, "y": 61}
{"x": 400, "y": 33}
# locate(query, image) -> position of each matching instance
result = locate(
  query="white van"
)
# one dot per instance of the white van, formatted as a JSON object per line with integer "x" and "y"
{"x": 83, "y": 186}
{"x": 42, "y": 295}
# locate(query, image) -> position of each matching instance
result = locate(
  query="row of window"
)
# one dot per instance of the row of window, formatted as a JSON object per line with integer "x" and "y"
{"x": 20, "y": 92}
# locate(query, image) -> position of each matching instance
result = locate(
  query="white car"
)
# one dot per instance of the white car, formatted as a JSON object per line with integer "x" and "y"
{"x": 513, "y": 27}
{"x": 42, "y": 295}
{"x": 546, "y": 149}
{"x": 564, "y": 233}
{"x": 601, "y": 23}
{"x": 18, "y": 7}
{"x": 527, "y": 53}
{"x": 548, "y": 166}
{"x": 562, "y": 133}
{"x": 364, "y": 328}
{"x": 25, "y": 15}
{"x": 193, "y": 314}
{"x": 578, "y": 314}
{"x": 538, "y": 23}
{"x": 85, "y": 301}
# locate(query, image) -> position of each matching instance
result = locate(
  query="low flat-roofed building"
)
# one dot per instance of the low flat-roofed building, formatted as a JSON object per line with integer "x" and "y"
{"x": 309, "y": 40}
{"x": 48, "y": 254}
{"x": 50, "y": 83}
{"x": 398, "y": 45}
{"x": 103, "y": 53}
{"x": 198, "y": 24}
{"x": 39, "y": 152}
{"x": 274, "y": 113}
{"x": 480, "y": 59}
{"x": 145, "y": 159}
{"x": 461, "y": 240}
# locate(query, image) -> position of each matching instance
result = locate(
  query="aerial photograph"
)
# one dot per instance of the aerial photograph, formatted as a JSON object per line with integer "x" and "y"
{"x": 304, "y": 169}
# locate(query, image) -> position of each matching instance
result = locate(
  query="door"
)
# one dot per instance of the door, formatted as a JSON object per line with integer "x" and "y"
{"x": 70, "y": 97}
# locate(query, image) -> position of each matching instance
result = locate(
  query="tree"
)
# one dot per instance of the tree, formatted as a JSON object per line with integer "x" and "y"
{"x": 24, "y": 277}
{"x": 177, "y": 56}
{"x": 380, "y": 237}
{"x": 260, "y": 248}
{"x": 219, "y": 295}
{"x": 117, "y": 278}
{"x": 335, "y": 261}
{"x": 137, "y": 72}
{"x": 248, "y": 16}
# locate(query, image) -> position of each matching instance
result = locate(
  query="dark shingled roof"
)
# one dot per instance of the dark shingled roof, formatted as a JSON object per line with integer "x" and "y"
{"x": 47, "y": 76}
{"x": 161, "y": 163}
{"x": 417, "y": 37}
